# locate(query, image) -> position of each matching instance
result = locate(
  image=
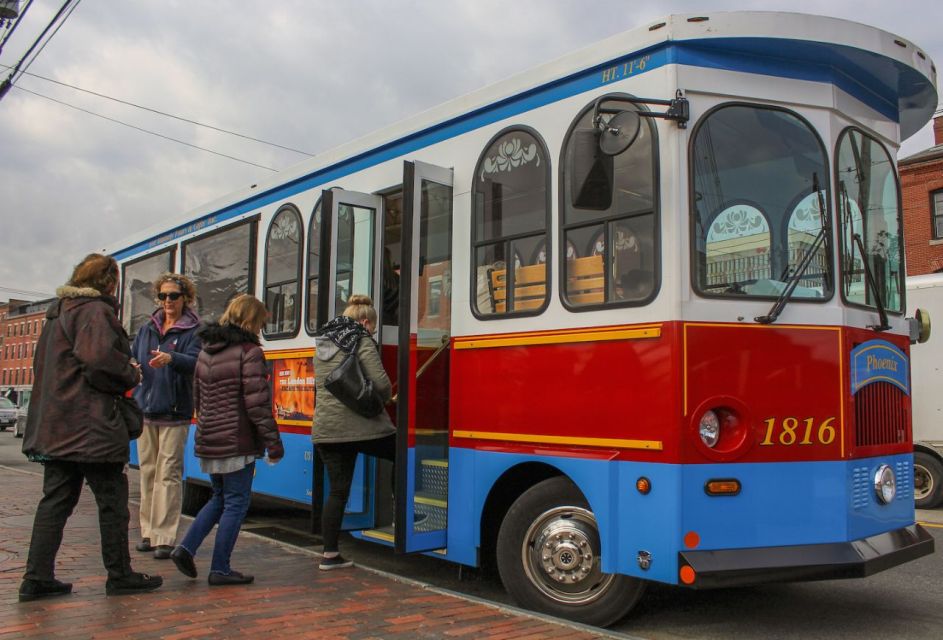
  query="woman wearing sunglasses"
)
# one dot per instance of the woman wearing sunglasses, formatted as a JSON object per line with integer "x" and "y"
{"x": 167, "y": 348}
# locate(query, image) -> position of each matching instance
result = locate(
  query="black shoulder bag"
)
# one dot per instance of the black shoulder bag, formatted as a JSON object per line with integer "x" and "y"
{"x": 349, "y": 384}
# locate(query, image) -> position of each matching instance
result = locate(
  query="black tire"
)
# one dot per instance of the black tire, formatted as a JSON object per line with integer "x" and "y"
{"x": 566, "y": 581}
{"x": 928, "y": 481}
{"x": 194, "y": 497}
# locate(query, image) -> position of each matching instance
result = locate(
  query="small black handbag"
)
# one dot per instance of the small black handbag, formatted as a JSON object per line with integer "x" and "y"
{"x": 349, "y": 384}
{"x": 131, "y": 415}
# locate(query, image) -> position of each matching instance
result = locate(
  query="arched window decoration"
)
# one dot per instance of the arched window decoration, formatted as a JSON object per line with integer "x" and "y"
{"x": 609, "y": 221}
{"x": 510, "y": 218}
{"x": 759, "y": 205}
{"x": 738, "y": 246}
{"x": 283, "y": 273}
{"x": 870, "y": 222}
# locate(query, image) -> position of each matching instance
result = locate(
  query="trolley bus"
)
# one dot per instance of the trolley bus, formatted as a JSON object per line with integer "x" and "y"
{"x": 643, "y": 307}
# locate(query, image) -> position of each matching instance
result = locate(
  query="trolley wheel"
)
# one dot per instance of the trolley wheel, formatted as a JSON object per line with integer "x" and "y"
{"x": 194, "y": 497}
{"x": 548, "y": 555}
{"x": 928, "y": 481}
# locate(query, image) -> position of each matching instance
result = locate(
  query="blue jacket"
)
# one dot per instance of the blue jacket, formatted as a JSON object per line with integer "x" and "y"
{"x": 167, "y": 391}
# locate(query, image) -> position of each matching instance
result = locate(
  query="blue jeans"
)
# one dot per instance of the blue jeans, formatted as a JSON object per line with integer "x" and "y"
{"x": 228, "y": 507}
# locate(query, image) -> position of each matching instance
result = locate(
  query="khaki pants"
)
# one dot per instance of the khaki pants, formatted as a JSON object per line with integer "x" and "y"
{"x": 160, "y": 453}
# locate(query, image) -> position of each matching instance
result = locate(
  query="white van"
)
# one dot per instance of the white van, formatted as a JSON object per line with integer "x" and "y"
{"x": 926, "y": 364}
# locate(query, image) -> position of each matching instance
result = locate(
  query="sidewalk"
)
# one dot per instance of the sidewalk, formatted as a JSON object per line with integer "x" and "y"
{"x": 289, "y": 599}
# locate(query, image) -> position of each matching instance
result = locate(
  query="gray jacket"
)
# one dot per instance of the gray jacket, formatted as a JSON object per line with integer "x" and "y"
{"x": 334, "y": 422}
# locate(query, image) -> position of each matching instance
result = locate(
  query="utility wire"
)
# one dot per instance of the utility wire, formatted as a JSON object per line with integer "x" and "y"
{"x": 162, "y": 113}
{"x": 51, "y": 36}
{"x": 16, "y": 23}
{"x": 5, "y": 87}
{"x": 153, "y": 133}
{"x": 24, "y": 292}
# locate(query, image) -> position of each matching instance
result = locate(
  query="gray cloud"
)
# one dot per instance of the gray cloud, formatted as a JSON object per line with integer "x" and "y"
{"x": 307, "y": 74}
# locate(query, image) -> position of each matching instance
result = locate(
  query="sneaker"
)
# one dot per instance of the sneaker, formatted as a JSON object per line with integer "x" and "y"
{"x": 184, "y": 561}
{"x": 233, "y": 577}
{"x": 36, "y": 589}
{"x": 132, "y": 583}
{"x": 162, "y": 551}
{"x": 337, "y": 562}
{"x": 144, "y": 546}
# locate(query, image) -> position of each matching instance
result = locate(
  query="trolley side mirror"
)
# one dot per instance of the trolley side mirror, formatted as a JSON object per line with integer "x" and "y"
{"x": 919, "y": 326}
{"x": 591, "y": 172}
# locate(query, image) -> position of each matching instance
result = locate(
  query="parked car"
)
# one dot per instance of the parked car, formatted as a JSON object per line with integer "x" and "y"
{"x": 22, "y": 407}
{"x": 7, "y": 414}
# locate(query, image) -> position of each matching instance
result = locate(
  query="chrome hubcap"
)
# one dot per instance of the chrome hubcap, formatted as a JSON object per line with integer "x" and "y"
{"x": 561, "y": 556}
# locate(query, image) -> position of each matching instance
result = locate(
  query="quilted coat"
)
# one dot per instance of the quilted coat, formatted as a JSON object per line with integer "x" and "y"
{"x": 231, "y": 395}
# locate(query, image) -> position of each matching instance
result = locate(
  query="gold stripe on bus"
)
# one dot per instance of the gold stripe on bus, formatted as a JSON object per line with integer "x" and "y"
{"x": 582, "y": 335}
{"x": 934, "y": 525}
{"x": 377, "y": 535}
{"x": 430, "y": 432}
{"x": 289, "y": 353}
{"x": 432, "y": 502}
{"x": 652, "y": 445}
{"x": 294, "y": 423}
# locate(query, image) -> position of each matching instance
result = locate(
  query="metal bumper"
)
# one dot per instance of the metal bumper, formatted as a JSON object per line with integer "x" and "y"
{"x": 855, "y": 559}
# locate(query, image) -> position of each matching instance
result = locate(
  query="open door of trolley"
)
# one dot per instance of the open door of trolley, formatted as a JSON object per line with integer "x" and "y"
{"x": 425, "y": 323}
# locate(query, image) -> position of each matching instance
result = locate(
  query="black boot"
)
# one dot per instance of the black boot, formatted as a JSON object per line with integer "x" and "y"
{"x": 36, "y": 589}
{"x": 132, "y": 583}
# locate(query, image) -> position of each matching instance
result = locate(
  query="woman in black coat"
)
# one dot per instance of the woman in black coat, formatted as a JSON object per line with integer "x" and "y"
{"x": 82, "y": 363}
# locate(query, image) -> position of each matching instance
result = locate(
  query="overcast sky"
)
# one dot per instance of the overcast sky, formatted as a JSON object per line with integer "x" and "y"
{"x": 307, "y": 74}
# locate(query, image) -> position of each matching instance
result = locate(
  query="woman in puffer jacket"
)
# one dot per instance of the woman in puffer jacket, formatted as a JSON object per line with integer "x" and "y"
{"x": 235, "y": 426}
{"x": 339, "y": 432}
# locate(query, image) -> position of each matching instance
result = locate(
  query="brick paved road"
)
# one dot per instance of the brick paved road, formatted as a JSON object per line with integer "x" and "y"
{"x": 290, "y": 598}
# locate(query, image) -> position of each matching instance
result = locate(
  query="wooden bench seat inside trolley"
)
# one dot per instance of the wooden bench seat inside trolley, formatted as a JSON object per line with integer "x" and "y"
{"x": 585, "y": 284}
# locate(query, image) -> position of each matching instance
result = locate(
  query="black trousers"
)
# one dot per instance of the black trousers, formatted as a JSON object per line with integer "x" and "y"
{"x": 62, "y": 486}
{"x": 339, "y": 459}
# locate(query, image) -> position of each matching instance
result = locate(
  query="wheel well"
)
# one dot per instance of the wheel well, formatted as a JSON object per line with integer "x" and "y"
{"x": 505, "y": 491}
{"x": 927, "y": 449}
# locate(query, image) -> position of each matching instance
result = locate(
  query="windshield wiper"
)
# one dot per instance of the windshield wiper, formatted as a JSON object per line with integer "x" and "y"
{"x": 872, "y": 282}
{"x": 807, "y": 258}
{"x": 868, "y": 276}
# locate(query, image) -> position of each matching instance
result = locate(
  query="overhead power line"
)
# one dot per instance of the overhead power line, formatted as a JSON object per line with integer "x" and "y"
{"x": 16, "y": 23}
{"x": 24, "y": 292}
{"x": 143, "y": 130}
{"x": 5, "y": 86}
{"x": 163, "y": 113}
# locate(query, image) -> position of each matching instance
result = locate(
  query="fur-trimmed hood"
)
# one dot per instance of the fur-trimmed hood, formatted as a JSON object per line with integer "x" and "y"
{"x": 73, "y": 297}
{"x": 217, "y": 337}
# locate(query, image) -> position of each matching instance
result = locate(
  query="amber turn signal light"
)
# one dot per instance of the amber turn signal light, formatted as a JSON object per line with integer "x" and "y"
{"x": 644, "y": 485}
{"x": 726, "y": 487}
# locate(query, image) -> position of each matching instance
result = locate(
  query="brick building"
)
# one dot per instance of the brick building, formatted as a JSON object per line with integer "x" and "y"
{"x": 20, "y": 324}
{"x": 921, "y": 181}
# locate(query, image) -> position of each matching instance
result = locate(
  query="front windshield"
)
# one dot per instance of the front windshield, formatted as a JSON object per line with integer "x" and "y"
{"x": 760, "y": 205}
{"x": 868, "y": 210}
{"x": 6, "y": 404}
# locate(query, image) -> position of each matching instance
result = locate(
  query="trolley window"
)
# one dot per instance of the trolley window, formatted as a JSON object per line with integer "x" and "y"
{"x": 760, "y": 205}
{"x": 609, "y": 226}
{"x": 283, "y": 273}
{"x": 510, "y": 218}
{"x": 870, "y": 222}
{"x": 221, "y": 265}
{"x": 137, "y": 292}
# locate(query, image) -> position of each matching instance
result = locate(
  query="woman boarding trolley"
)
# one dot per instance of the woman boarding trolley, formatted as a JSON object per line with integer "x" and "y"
{"x": 650, "y": 320}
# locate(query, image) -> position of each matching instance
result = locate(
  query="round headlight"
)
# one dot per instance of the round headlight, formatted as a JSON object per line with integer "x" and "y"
{"x": 709, "y": 428}
{"x": 885, "y": 486}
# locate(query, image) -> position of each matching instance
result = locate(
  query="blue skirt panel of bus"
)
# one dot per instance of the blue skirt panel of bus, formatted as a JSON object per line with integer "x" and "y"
{"x": 780, "y": 504}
